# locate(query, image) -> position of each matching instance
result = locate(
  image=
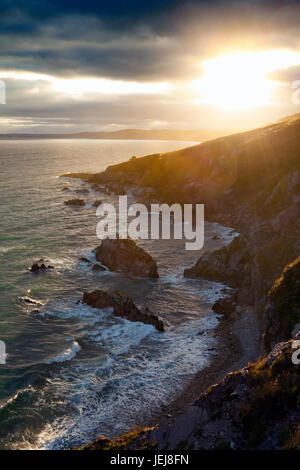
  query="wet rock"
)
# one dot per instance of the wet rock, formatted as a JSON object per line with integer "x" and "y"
{"x": 123, "y": 306}
{"x": 82, "y": 191}
{"x": 216, "y": 237}
{"x": 126, "y": 256}
{"x": 84, "y": 260}
{"x": 37, "y": 267}
{"x": 97, "y": 203}
{"x": 98, "y": 267}
{"x": 230, "y": 264}
{"x": 75, "y": 202}
{"x": 65, "y": 188}
{"x": 29, "y": 300}
{"x": 224, "y": 306}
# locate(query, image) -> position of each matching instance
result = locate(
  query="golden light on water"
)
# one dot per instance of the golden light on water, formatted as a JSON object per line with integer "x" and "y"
{"x": 239, "y": 80}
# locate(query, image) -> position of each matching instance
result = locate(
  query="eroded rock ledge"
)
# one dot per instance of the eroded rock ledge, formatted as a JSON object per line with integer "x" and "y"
{"x": 123, "y": 306}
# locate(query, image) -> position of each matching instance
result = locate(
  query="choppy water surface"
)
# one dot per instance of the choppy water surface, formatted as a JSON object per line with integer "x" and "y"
{"x": 74, "y": 372}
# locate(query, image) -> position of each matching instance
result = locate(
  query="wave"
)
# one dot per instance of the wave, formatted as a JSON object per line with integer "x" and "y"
{"x": 67, "y": 355}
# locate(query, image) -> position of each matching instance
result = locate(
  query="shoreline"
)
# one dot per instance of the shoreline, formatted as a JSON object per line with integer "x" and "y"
{"x": 234, "y": 349}
{"x": 238, "y": 342}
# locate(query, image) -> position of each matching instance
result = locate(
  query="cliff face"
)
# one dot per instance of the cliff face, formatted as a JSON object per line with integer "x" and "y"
{"x": 256, "y": 407}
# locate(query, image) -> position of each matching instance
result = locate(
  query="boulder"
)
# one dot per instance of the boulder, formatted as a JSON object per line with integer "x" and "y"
{"x": 75, "y": 202}
{"x": 123, "y": 306}
{"x": 126, "y": 256}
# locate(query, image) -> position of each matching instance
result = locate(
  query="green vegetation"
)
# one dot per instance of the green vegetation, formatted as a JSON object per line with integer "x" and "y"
{"x": 134, "y": 440}
{"x": 284, "y": 303}
{"x": 275, "y": 393}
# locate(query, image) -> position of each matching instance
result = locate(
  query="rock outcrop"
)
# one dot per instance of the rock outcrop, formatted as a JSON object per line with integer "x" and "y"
{"x": 82, "y": 191}
{"x": 97, "y": 203}
{"x": 98, "y": 267}
{"x": 39, "y": 266}
{"x": 123, "y": 306}
{"x": 230, "y": 264}
{"x": 125, "y": 255}
{"x": 75, "y": 202}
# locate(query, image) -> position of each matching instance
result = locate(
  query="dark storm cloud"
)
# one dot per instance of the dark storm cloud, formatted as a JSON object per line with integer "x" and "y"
{"x": 134, "y": 39}
{"x": 158, "y": 40}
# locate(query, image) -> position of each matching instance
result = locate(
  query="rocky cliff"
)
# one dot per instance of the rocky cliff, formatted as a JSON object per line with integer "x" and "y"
{"x": 249, "y": 181}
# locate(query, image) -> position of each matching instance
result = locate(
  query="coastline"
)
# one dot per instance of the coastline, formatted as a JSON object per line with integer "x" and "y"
{"x": 238, "y": 342}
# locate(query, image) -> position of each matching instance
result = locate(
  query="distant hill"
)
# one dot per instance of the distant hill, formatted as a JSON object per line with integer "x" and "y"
{"x": 131, "y": 134}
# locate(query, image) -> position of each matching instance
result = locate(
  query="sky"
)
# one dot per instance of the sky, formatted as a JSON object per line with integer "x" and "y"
{"x": 69, "y": 66}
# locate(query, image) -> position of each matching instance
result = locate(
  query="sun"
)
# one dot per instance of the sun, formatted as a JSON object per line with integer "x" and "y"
{"x": 239, "y": 80}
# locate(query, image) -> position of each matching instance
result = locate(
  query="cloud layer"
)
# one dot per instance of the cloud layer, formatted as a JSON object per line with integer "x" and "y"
{"x": 158, "y": 44}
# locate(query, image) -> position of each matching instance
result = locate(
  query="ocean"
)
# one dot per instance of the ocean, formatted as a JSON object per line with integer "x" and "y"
{"x": 73, "y": 372}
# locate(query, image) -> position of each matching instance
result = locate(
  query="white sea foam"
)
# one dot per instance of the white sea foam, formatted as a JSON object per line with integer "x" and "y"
{"x": 67, "y": 355}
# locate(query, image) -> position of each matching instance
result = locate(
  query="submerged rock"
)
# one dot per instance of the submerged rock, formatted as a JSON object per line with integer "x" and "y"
{"x": 40, "y": 266}
{"x": 83, "y": 259}
{"x": 75, "y": 202}
{"x": 123, "y": 306}
{"x": 82, "y": 191}
{"x": 97, "y": 203}
{"x": 126, "y": 256}
{"x": 98, "y": 267}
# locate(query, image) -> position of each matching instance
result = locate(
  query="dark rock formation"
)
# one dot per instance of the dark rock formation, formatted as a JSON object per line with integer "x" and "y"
{"x": 75, "y": 202}
{"x": 39, "y": 266}
{"x": 28, "y": 300}
{"x": 122, "y": 306}
{"x": 98, "y": 267}
{"x": 230, "y": 264}
{"x": 283, "y": 307}
{"x": 224, "y": 306}
{"x": 97, "y": 203}
{"x": 126, "y": 256}
{"x": 82, "y": 191}
{"x": 84, "y": 260}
